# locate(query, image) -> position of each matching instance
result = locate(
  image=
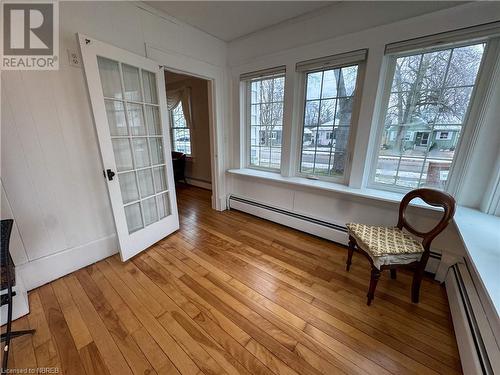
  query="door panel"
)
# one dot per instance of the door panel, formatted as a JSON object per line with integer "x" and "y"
{"x": 128, "y": 99}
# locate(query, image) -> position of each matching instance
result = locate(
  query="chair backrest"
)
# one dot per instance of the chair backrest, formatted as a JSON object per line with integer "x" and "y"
{"x": 5, "y": 230}
{"x": 434, "y": 198}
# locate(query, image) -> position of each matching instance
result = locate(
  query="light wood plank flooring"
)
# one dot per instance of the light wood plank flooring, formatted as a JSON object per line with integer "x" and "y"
{"x": 233, "y": 294}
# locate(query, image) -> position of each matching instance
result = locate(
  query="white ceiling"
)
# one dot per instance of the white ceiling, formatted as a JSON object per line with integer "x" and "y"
{"x": 229, "y": 20}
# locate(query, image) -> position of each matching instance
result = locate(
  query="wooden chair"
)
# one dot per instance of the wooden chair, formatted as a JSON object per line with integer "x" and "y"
{"x": 8, "y": 280}
{"x": 391, "y": 248}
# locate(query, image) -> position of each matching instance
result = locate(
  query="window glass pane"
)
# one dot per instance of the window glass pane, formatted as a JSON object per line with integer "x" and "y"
{"x": 181, "y": 134}
{"x": 327, "y": 112}
{"x": 340, "y": 138}
{"x": 433, "y": 69}
{"x": 405, "y": 73}
{"x": 266, "y": 120}
{"x": 464, "y": 65}
{"x": 145, "y": 182}
{"x": 347, "y": 81}
{"x": 116, "y": 117}
{"x": 133, "y": 217}
{"x": 136, "y": 119}
{"x": 314, "y": 85}
{"x": 182, "y": 141}
{"x": 141, "y": 152}
{"x": 278, "y": 89}
{"x": 430, "y": 99}
{"x": 132, "y": 83}
{"x": 311, "y": 116}
{"x": 160, "y": 178}
{"x": 156, "y": 146}
{"x": 123, "y": 154}
{"x": 163, "y": 205}
{"x": 149, "y": 83}
{"x": 330, "y": 82}
{"x": 327, "y": 121}
{"x": 109, "y": 72}
{"x": 149, "y": 208}
{"x": 337, "y": 163}
{"x": 128, "y": 187}
{"x": 344, "y": 111}
{"x": 153, "y": 120}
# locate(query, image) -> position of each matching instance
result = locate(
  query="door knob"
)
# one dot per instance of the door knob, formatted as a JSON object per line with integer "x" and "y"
{"x": 109, "y": 174}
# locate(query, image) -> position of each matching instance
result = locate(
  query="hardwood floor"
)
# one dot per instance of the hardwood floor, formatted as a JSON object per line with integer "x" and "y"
{"x": 231, "y": 293}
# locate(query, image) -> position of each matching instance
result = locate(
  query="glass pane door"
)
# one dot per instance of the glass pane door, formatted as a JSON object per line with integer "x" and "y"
{"x": 132, "y": 111}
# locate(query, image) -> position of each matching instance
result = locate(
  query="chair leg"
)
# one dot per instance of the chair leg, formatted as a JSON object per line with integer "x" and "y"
{"x": 373, "y": 284}
{"x": 350, "y": 252}
{"x": 417, "y": 280}
{"x": 393, "y": 273}
{"x": 14, "y": 334}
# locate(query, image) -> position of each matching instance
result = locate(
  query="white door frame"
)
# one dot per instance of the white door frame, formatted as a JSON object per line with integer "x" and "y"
{"x": 215, "y": 75}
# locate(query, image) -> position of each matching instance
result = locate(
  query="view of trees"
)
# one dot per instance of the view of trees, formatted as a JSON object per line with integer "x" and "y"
{"x": 327, "y": 118}
{"x": 266, "y": 121}
{"x": 432, "y": 88}
{"x": 430, "y": 95}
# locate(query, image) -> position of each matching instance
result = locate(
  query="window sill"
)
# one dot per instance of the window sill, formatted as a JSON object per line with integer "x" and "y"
{"x": 480, "y": 235}
{"x": 379, "y": 195}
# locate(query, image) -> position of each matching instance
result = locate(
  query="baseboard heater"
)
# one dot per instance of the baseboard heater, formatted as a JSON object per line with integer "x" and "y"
{"x": 321, "y": 228}
{"x": 479, "y": 350}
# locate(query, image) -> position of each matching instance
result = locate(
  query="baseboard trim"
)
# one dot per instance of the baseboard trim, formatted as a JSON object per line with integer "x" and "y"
{"x": 331, "y": 231}
{"x": 479, "y": 350}
{"x": 199, "y": 183}
{"x": 44, "y": 270}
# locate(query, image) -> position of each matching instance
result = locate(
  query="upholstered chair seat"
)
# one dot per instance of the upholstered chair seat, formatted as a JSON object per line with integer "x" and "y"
{"x": 386, "y": 245}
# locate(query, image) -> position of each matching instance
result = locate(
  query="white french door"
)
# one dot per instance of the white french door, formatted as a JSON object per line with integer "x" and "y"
{"x": 127, "y": 93}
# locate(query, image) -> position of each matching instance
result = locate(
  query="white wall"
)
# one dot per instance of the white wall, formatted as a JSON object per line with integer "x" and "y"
{"x": 52, "y": 182}
{"x": 290, "y": 44}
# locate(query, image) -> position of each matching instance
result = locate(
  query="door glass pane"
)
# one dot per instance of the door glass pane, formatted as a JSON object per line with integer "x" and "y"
{"x": 145, "y": 182}
{"x": 153, "y": 120}
{"x": 136, "y": 119}
{"x": 149, "y": 82}
{"x": 160, "y": 178}
{"x": 110, "y": 78}
{"x": 156, "y": 145}
{"x": 163, "y": 205}
{"x": 141, "y": 152}
{"x": 123, "y": 155}
{"x": 132, "y": 83}
{"x": 128, "y": 187}
{"x": 133, "y": 216}
{"x": 116, "y": 117}
{"x": 149, "y": 208}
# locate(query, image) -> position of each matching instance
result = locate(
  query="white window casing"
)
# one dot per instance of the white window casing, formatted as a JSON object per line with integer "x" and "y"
{"x": 415, "y": 137}
{"x": 321, "y": 65}
{"x": 268, "y": 137}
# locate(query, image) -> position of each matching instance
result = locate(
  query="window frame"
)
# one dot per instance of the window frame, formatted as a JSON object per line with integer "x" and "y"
{"x": 247, "y": 103}
{"x": 357, "y": 96}
{"x": 463, "y": 147}
{"x": 172, "y": 128}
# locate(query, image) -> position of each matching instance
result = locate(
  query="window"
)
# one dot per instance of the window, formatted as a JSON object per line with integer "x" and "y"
{"x": 443, "y": 135}
{"x": 329, "y": 98}
{"x": 181, "y": 135}
{"x": 264, "y": 107}
{"x": 425, "y": 112}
